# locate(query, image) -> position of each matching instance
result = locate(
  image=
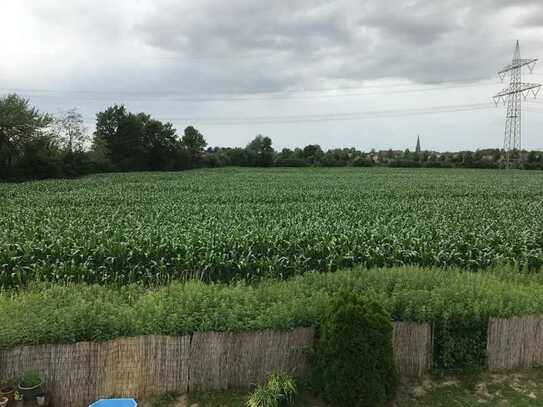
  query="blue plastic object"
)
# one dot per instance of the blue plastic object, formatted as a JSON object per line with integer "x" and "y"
{"x": 115, "y": 403}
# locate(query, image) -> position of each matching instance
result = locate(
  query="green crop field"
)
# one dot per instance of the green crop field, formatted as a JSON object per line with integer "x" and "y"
{"x": 225, "y": 224}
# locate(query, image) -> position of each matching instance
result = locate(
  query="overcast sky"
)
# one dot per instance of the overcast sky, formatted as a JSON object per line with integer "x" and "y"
{"x": 297, "y": 71}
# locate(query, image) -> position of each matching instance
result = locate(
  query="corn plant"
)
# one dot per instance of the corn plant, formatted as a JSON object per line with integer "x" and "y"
{"x": 231, "y": 224}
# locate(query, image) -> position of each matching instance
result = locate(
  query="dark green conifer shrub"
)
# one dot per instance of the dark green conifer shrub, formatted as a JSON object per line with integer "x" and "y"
{"x": 460, "y": 344}
{"x": 353, "y": 363}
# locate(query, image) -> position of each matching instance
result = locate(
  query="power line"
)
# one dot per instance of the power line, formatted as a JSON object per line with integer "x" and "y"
{"x": 329, "y": 117}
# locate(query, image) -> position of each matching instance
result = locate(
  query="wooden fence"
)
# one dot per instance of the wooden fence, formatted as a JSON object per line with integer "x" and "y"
{"x": 412, "y": 343}
{"x": 515, "y": 343}
{"x": 77, "y": 374}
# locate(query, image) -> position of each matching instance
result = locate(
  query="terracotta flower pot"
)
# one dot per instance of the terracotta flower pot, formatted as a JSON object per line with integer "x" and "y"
{"x": 8, "y": 392}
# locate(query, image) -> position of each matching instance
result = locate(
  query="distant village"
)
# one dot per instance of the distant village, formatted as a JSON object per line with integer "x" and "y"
{"x": 260, "y": 153}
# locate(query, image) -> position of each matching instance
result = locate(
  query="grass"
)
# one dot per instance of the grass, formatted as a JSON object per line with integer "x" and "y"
{"x": 238, "y": 399}
{"x": 516, "y": 389}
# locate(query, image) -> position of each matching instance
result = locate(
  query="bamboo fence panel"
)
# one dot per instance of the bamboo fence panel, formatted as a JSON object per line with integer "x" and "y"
{"x": 77, "y": 374}
{"x": 142, "y": 366}
{"x": 222, "y": 360}
{"x": 68, "y": 380}
{"x": 515, "y": 343}
{"x": 412, "y": 345}
{"x": 63, "y": 367}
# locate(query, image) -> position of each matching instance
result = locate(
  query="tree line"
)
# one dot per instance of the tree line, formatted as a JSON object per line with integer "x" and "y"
{"x": 36, "y": 145}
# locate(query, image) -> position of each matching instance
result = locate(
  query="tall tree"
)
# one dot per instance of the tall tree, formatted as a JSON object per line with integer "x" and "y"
{"x": 194, "y": 141}
{"x": 20, "y": 125}
{"x": 71, "y": 131}
{"x": 105, "y": 143}
{"x": 160, "y": 144}
{"x": 313, "y": 153}
{"x": 129, "y": 141}
{"x": 260, "y": 151}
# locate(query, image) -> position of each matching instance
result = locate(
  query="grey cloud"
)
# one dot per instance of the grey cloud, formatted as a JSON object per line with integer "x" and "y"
{"x": 249, "y": 46}
{"x": 419, "y": 23}
{"x": 100, "y": 19}
{"x": 239, "y": 27}
{"x": 307, "y": 41}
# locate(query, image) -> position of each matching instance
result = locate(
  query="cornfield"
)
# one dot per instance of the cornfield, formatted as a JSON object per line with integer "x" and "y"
{"x": 229, "y": 224}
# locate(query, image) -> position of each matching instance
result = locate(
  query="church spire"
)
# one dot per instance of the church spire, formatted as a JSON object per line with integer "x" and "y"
{"x": 417, "y": 149}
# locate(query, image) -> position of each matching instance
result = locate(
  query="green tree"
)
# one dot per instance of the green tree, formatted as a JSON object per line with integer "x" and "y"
{"x": 129, "y": 141}
{"x": 313, "y": 153}
{"x": 106, "y": 143}
{"x": 260, "y": 151}
{"x": 160, "y": 144}
{"x": 100, "y": 154}
{"x": 533, "y": 156}
{"x": 195, "y": 143}
{"x": 23, "y": 129}
{"x": 71, "y": 131}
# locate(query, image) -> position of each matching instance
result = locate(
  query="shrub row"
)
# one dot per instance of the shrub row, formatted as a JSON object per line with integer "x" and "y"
{"x": 71, "y": 313}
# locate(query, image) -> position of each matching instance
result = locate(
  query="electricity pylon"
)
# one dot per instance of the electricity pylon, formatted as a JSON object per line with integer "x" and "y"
{"x": 513, "y": 97}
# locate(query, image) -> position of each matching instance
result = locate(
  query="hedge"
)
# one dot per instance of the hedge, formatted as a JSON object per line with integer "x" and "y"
{"x": 71, "y": 313}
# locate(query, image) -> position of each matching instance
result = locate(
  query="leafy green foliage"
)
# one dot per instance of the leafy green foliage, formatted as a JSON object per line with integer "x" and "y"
{"x": 194, "y": 141}
{"x": 279, "y": 390}
{"x": 262, "y": 397}
{"x": 353, "y": 358}
{"x": 27, "y": 148}
{"x": 460, "y": 344}
{"x": 260, "y": 152}
{"x": 71, "y": 313}
{"x": 127, "y": 141}
{"x": 230, "y": 224}
{"x": 284, "y": 387}
{"x": 30, "y": 378}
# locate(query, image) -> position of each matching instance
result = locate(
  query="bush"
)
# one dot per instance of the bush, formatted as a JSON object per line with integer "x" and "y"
{"x": 30, "y": 378}
{"x": 460, "y": 344}
{"x": 70, "y": 313}
{"x": 362, "y": 162}
{"x": 280, "y": 390}
{"x": 353, "y": 364}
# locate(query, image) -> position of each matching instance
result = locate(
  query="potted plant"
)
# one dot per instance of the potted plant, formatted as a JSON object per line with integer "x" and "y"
{"x": 30, "y": 385}
{"x": 18, "y": 397}
{"x": 7, "y": 389}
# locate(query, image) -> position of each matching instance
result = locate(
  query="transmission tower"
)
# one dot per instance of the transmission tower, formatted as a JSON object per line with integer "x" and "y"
{"x": 512, "y": 96}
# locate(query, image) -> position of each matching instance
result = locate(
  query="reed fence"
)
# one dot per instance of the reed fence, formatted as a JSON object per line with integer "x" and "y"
{"x": 515, "y": 343}
{"x": 412, "y": 343}
{"x": 77, "y": 374}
